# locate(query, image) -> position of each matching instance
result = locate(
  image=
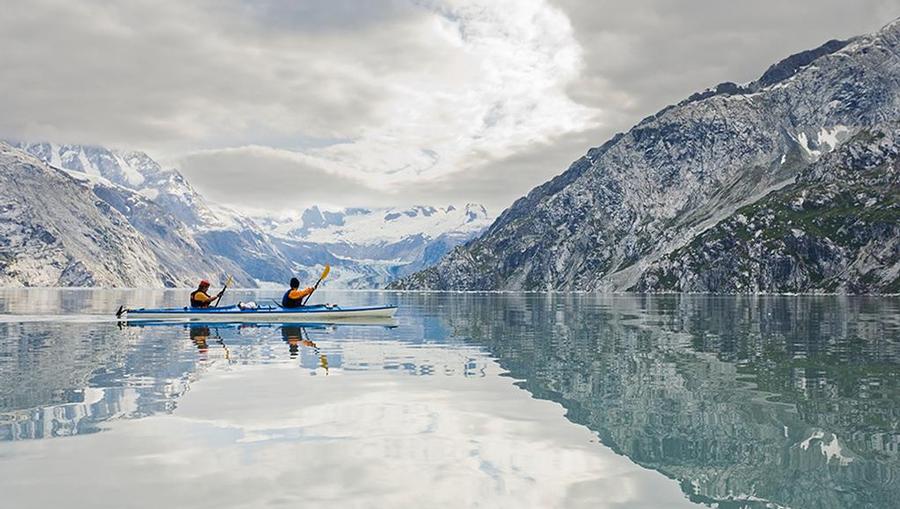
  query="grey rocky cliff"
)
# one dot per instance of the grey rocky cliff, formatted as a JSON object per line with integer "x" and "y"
{"x": 55, "y": 232}
{"x": 836, "y": 229}
{"x": 177, "y": 221}
{"x": 650, "y": 191}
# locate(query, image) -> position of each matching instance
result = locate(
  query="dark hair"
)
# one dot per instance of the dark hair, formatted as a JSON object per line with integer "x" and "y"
{"x": 295, "y": 283}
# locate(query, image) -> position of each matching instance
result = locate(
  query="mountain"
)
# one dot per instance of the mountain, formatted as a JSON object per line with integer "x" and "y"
{"x": 215, "y": 231}
{"x": 129, "y": 169}
{"x": 648, "y": 193}
{"x": 65, "y": 229}
{"x": 836, "y": 229}
{"x": 189, "y": 237}
{"x": 370, "y": 247}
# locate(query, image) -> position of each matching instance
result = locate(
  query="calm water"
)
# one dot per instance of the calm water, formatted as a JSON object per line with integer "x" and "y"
{"x": 470, "y": 401}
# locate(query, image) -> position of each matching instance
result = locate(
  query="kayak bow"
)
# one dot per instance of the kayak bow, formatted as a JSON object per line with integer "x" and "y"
{"x": 314, "y": 313}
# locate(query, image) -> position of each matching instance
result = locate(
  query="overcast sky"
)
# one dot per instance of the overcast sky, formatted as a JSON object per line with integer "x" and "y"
{"x": 281, "y": 104}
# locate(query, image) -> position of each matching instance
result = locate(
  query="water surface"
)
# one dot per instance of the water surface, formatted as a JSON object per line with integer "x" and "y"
{"x": 471, "y": 400}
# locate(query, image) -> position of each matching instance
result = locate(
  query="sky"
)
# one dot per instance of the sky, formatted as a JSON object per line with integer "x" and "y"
{"x": 276, "y": 105}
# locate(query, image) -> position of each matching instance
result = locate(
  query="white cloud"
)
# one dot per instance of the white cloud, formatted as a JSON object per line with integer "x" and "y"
{"x": 402, "y": 93}
{"x": 391, "y": 97}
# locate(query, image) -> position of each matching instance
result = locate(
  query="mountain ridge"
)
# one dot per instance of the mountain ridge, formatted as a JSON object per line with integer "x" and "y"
{"x": 188, "y": 238}
{"x": 647, "y": 192}
{"x": 58, "y": 232}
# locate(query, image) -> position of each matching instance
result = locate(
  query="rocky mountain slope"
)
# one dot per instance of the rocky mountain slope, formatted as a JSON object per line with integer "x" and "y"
{"x": 188, "y": 237}
{"x": 60, "y": 229}
{"x": 651, "y": 191}
{"x": 836, "y": 229}
{"x": 215, "y": 232}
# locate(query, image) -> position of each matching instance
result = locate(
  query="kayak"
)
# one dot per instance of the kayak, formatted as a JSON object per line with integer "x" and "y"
{"x": 239, "y": 313}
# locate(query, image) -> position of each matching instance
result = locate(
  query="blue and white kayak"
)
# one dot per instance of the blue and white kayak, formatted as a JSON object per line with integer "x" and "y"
{"x": 238, "y": 313}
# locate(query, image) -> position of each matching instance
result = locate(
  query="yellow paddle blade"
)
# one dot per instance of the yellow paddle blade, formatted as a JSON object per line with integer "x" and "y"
{"x": 229, "y": 281}
{"x": 326, "y": 271}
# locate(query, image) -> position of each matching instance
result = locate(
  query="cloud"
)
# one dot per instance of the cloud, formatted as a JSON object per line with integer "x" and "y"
{"x": 388, "y": 93}
{"x": 646, "y": 54}
{"x": 263, "y": 172}
{"x": 272, "y": 179}
{"x": 368, "y": 102}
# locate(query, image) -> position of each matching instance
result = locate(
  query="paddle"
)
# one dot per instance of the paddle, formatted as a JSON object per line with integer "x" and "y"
{"x": 219, "y": 297}
{"x": 323, "y": 276}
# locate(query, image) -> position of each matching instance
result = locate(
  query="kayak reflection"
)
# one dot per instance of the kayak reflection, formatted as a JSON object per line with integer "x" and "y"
{"x": 238, "y": 336}
{"x": 294, "y": 335}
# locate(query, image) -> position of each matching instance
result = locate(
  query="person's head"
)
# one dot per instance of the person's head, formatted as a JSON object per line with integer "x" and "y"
{"x": 295, "y": 283}
{"x": 204, "y": 284}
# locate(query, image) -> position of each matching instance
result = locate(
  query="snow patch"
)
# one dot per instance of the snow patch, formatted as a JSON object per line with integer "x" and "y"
{"x": 828, "y": 445}
{"x": 827, "y": 139}
{"x": 150, "y": 193}
{"x": 804, "y": 144}
{"x": 86, "y": 165}
{"x": 131, "y": 174}
{"x": 831, "y": 136}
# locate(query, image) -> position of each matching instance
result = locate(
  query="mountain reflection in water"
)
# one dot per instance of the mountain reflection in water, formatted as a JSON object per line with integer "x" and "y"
{"x": 792, "y": 400}
{"x": 743, "y": 401}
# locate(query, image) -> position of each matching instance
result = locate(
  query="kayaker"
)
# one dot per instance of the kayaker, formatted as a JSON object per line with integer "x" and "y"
{"x": 293, "y": 298}
{"x": 200, "y": 297}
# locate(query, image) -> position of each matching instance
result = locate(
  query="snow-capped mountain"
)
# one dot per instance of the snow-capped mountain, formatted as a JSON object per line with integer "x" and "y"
{"x": 249, "y": 251}
{"x": 370, "y": 247}
{"x": 362, "y": 226}
{"x": 62, "y": 228}
{"x": 187, "y": 237}
{"x": 648, "y": 194}
{"x": 129, "y": 169}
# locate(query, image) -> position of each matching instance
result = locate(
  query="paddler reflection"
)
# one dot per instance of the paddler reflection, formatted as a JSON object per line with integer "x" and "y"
{"x": 200, "y": 335}
{"x": 295, "y": 336}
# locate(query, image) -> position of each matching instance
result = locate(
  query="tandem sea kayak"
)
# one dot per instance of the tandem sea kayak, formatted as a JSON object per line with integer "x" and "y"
{"x": 238, "y": 313}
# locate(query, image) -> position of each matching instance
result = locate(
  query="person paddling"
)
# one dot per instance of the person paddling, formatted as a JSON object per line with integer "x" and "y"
{"x": 200, "y": 297}
{"x": 293, "y": 298}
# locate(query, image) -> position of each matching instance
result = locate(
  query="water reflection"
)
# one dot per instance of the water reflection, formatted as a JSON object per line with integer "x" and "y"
{"x": 743, "y": 402}
{"x": 295, "y": 336}
{"x": 63, "y": 379}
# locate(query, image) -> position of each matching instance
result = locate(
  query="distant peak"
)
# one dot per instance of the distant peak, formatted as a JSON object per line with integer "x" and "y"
{"x": 893, "y": 25}
{"x": 789, "y": 66}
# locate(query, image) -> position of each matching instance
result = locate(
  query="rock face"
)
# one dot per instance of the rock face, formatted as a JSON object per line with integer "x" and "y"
{"x": 61, "y": 230}
{"x": 236, "y": 243}
{"x": 837, "y": 229}
{"x": 645, "y": 194}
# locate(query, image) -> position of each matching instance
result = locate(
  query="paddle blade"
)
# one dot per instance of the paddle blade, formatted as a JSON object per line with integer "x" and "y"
{"x": 325, "y": 272}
